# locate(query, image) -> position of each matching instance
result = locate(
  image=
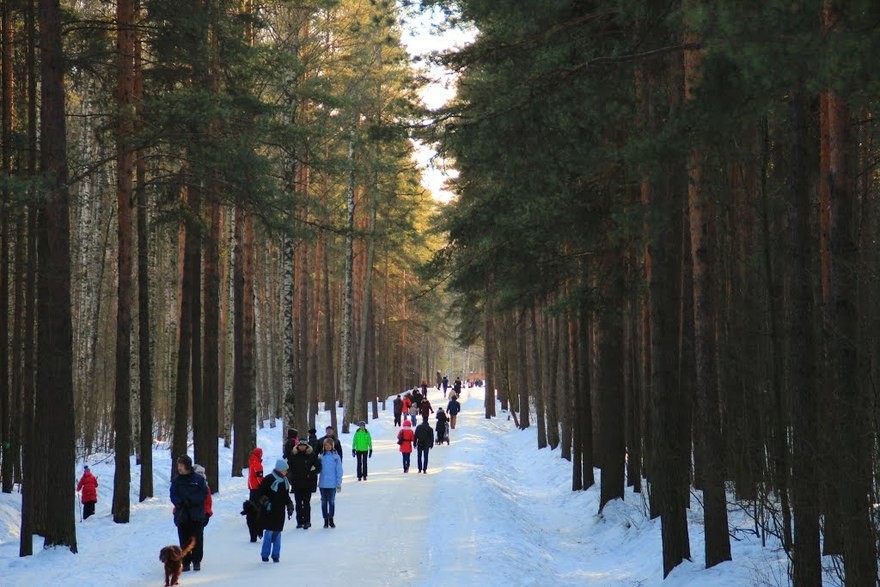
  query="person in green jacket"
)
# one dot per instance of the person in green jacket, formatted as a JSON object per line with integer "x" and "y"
{"x": 362, "y": 449}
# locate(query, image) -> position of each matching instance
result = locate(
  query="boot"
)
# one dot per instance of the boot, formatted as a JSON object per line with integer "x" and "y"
{"x": 326, "y": 522}
{"x": 332, "y": 525}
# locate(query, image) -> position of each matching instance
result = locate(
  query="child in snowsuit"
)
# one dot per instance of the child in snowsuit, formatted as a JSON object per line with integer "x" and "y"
{"x": 275, "y": 499}
{"x": 255, "y": 472}
{"x": 88, "y": 484}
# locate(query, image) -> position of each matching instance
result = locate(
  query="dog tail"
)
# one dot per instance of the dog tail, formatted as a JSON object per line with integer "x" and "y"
{"x": 189, "y": 547}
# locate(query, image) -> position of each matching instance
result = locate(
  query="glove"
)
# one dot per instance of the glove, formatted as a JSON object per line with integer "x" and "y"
{"x": 370, "y": 454}
{"x": 353, "y": 453}
{"x": 339, "y": 489}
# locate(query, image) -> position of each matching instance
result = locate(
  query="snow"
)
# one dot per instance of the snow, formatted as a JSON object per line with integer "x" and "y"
{"x": 492, "y": 508}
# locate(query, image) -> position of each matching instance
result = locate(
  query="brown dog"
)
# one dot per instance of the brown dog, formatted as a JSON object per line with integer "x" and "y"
{"x": 172, "y": 555}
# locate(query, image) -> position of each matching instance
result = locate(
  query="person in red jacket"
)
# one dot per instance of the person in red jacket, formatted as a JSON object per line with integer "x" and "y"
{"x": 88, "y": 485}
{"x": 255, "y": 473}
{"x": 209, "y": 502}
{"x": 407, "y": 404}
{"x": 405, "y": 439}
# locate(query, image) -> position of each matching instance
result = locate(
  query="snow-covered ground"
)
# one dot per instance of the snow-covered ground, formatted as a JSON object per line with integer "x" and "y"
{"x": 492, "y": 509}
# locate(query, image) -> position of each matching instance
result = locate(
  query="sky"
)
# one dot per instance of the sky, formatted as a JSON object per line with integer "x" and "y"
{"x": 424, "y": 34}
{"x": 492, "y": 509}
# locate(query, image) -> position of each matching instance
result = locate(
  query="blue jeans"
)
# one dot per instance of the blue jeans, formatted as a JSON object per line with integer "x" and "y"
{"x": 406, "y": 456}
{"x": 328, "y": 502}
{"x": 271, "y": 540}
{"x": 422, "y": 459}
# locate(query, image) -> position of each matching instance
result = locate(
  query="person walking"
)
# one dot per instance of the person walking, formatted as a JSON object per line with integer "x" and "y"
{"x": 424, "y": 442}
{"x": 303, "y": 476}
{"x": 442, "y": 427}
{"x": 452, "y": 409}
{"x": 398, "y": 410}
{"x": 439, "y": 381}
{"x": 331, "y": 434}
{"x": 275, "y": 500}
{"x": 445, "y": 384}
{"x": 425, "y": 408}
{"x": 456, "y": 387}
{"x": 88, "y": 485}
{"x": 188, "y": 494}
{"x": 255, "y": 473}
{"x": 314, "y": 442}
{"x": 362, "y": 449}
{"x": 405, "y": 439}
{"x": 407, "y": 405}
{"x": 416, "y": 397}
{"x": 329, "y": 482}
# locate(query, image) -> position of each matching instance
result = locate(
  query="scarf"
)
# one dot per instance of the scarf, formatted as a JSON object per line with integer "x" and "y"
{"x": 278, "y": 481}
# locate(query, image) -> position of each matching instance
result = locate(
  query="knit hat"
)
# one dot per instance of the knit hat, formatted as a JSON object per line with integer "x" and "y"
{"x": 292, "y": 433}
{"x": 312, "y": 431}
{"x": 185, "y": 460}
{"x": 303, "y": 441}
{"x": 281, "y": 465}
{"x": 199, "y": 470}
{"x": 406, "y": 424}
{"x": 362, "y": 424}
{"x": 85, "y": 468}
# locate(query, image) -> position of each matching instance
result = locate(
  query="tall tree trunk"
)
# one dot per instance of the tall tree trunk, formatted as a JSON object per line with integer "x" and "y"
{"x": 855, "y": 440}
{"x": 536, "y": 380}
{"x": 289, "y": 339}
{"x": 29, "y": 453}
{"x": 610, "y": 392}
{"x": 54, "y": 404}
{"x": 145, "y": 349}
{"x": 348, "y": 289}
{"x": 179, "y": 443}
{"x": 523, "y": 372}
{"x": 212, "y": 378}
{"x": 806, "y": 560}
{"x": 702, "y": 231}
{"x": 244, "y": 389}
{"x": 124, "y": 168}
{"x": 584, "y": 404}
{"x": 358, "y": 410}
{"x": 7, "y": 457}
{"x": 489, "y": 354}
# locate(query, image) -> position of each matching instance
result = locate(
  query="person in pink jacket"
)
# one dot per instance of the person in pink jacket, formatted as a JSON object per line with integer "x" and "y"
{"x": 88, "y": 485}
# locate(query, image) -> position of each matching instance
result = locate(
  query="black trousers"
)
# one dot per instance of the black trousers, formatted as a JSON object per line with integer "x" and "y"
{"x": 302, "y": 499}
{"x": 88, "y": 509}
{"x": 397, "y": 418}
{"x": 361, "y": 464}
{"x": 422, "y": 458}
{"x": 188, "y": 530}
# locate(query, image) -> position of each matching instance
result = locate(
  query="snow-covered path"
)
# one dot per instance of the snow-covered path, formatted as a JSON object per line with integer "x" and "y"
{"x": 491, "y": 508}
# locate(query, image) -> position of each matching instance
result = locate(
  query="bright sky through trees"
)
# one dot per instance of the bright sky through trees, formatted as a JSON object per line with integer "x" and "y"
{"x": 425, "y": 33}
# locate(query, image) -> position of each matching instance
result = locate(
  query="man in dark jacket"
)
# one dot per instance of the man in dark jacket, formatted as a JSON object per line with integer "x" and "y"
{"x": 331, "y": 434}
{"x": 188, "y": 494}
{"x": 452, "y": 409}
{"x": 303, "y": 476}
{"x": 291, "y": 442}
{"x": 424, "y": 443}
{"x": 456, "y": 387}
{"x": 314, "y": 442}
{"x": 398, "y": 409}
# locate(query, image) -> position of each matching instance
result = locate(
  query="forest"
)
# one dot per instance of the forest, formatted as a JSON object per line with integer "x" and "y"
{"x": 663, "y": 240}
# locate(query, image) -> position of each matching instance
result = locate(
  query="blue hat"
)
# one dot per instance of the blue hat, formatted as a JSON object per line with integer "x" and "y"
{"x": 86, "y": 468}
{"x": 281, "y": 465}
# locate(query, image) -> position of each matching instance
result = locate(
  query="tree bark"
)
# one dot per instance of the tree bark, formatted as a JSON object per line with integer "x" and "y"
{"x": 54, "y": 411}
{"x": 244, "y": 390}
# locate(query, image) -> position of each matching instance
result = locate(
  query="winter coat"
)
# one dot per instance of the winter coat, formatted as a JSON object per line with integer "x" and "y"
{"x": 188, "y": 494}
{"x": 442, "y": 419}
{"x": 425, "y": 408}
{"x": 362, "y": 441}
{"x": 406, "y": 437}
{"x": 276, "y": 503}
{"x": 88, "y": 484}
{"x": 424, "y": 436}
{"x": 453, "y": 407}
{"x": 255, "y": 468}
{"x": 331, "y": 471}
{"x": 304, "y": 469}
{"x": 417, "y": 397}
{"x": 407, "y": 403}
{"x": 336, "y": 444}
{"x": 457, "y": 385}
{"x": 445, "y": 382}
{"x": 315, "y": 444}
{"x": 398, "y": 406}
{"x": 209, "y": 503}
